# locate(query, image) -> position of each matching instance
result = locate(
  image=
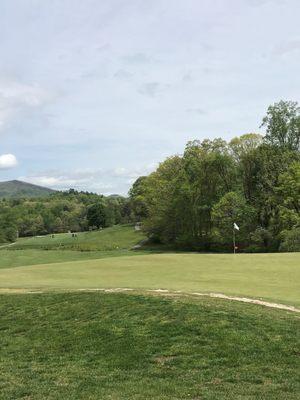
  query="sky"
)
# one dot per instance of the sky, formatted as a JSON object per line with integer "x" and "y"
{"x": 95, "y": 93}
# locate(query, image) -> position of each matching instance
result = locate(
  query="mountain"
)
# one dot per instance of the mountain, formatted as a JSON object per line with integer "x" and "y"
{"x": 17, "y": 189}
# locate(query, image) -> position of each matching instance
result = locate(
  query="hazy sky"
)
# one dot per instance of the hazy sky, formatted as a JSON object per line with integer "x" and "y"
{"x": 94, "y": 93}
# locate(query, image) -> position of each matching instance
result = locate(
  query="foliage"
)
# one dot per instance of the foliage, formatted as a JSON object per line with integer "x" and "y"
{"x": 291, "y": 240}
{"x": 282, "y": 124}
{"x": 233, "y": 208}
{"x": 60, "y": 212}
{"x": 8, "y": 230}
{"x": 96, "y": 215}
{"x": 137, "y": 199}
{"x": 193, "y": 199}
{"x": 289, "y": 190}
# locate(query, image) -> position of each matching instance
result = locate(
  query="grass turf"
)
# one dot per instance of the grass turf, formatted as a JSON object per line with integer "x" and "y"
{"x": 117, "y": 346}
{"x": 17, "y": 258}
{"x": 274, "y": 277}
{"x": 110, "y": 242}
{"x": 114, "y": 238}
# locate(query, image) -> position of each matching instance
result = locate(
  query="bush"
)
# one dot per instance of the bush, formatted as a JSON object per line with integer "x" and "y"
{"x": 291, "y": 240}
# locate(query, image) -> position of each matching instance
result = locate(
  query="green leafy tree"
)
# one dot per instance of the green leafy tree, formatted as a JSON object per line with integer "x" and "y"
{"x": 244, "y": 152}
{"x": 288, "y": 191}
{"x": 290, "y": 240}
{"x": 232, "y": 208}
{"x": 137, "y": 199}
{"x": 282, "y": 124}
{"x": 96, "y": 215}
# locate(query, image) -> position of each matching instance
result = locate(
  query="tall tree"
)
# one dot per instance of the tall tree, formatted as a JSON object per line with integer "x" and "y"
{"x": 282, "y": 124}
{"x": 244, "y": 152}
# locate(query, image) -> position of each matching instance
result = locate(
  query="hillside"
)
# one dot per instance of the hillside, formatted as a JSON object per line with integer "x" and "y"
{"x": 17, "y": 189}
{"x": 119, "y": 237}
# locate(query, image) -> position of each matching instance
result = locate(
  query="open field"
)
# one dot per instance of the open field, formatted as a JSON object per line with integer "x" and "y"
{"x": 109, "y": 239}
{"x": 117, "y": 346}
{"x": 273, "y": 277}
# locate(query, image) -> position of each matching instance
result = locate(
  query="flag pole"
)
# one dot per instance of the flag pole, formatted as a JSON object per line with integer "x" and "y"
{"x": 233, "y": 240}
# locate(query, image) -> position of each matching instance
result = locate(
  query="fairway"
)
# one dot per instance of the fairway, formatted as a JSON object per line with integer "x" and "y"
{"x": 18, "y": 258}
{"x": 110, "y": 242}
{"x": 272, "y": 277}
{"x": 109, "y": 239}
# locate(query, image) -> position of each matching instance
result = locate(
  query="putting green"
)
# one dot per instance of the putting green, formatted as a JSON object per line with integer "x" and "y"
{"x": 274, "y": 277}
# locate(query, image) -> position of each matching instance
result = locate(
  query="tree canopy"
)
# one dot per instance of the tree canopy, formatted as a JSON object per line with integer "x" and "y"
{"x": 191, "y": 201}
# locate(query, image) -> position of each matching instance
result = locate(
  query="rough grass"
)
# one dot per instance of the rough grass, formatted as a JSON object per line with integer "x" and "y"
{"x": 109, "y": 239}
{"x": 274, "y": 277}
{"x": 117, "y": 346}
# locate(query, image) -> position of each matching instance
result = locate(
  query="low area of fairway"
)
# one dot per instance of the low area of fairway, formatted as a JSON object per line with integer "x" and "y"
{"x": 274, "y": 277}
{"x": 132, "y": 347}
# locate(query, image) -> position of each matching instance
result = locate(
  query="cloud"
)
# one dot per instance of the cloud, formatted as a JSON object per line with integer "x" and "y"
{"x": 287, "y": 47}
{"x": 123, "y": 74}
{"x": 196, "y": 110}
{"x": 16, "y": 97}
{"x": 97, "y": 180}
{"x": 187, "y": 77}
{"x": 151, "y": 89}
{"x": 137, "y": 58}
{"x": 8, "y": 161}
{"x": 60, "y": 179}
{"x": 132, "y": 173}
{"x": 257, "y": 3}
{"x": 185, "y": 58}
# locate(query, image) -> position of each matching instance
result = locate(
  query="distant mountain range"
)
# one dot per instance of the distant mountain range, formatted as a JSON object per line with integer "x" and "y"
{"x": 18, "y": 189}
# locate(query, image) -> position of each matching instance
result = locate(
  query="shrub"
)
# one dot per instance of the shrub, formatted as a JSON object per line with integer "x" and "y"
{"x": 291, "y": 240}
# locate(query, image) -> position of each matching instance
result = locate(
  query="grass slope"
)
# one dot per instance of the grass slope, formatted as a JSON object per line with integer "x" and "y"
{"x": 17, "y": 189}
{"x": 275, "y": 277}
{"x": 111, "y": 242}
{"x": 17, "y": 258}
{"x": 114, "y": 238}
{"x": 114, "y": 346}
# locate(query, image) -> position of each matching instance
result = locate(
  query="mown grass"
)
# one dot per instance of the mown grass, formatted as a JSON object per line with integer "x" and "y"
{"x": 110, "y": 242}
{"x": 117, "y": 346}
{"x": 274, "y": 277}
{"x": 17, "y": 258}
{"x": 109, "y": 239}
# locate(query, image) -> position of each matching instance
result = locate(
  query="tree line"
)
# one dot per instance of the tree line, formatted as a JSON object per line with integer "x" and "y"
{"x": 192, "y": 200}
{"x": 61, "y": 212}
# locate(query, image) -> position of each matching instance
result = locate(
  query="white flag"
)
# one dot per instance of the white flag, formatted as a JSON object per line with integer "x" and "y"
{"x": 236, "y": 226}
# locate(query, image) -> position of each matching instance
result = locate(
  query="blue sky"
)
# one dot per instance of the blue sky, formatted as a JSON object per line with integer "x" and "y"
{"x": 95, "y": 93}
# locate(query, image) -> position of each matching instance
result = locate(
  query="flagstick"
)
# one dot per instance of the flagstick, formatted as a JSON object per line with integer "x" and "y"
{"x": 233, "y": 240}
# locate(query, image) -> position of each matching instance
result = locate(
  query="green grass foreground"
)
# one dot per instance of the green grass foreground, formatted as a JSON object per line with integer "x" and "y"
{"x": 274, "y": 277}
{"x": 120, "y": 346}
